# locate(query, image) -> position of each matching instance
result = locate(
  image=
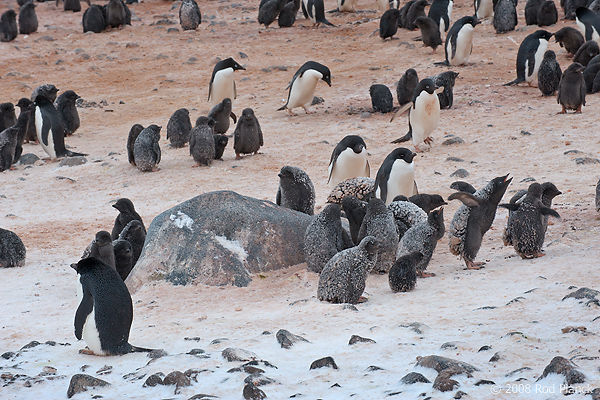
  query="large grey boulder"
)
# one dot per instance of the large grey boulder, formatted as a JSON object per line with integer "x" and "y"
{"x": 220, "y": 238}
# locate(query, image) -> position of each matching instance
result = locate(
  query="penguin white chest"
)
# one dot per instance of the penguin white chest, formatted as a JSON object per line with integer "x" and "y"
{"x": 424, "y": 116}
{"x": 348, "y": 165}
{"x": 347, "y": 5}
{"x": 89, "y": 334}
{"x": 39, "y": 125}
{"x": 383, "y": 5}
{"x": 539, "y": 56}
{"x": 401, "y": 180}
{"x": 464, "y": 45}
{"x": 303, "y": 89}
{"x": 581, "y": 26}
{"x": 485, "y": 9}
{"x": 223, "y": 86}
{"x": 450, "y": 7}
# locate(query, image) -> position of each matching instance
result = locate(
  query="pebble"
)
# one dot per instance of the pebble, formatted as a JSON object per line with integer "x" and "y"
{"x": 178, "y": 379}
{"x": 234, "y": 354}
{"x": 454, "y": 159}
{"x": 80, "y": 382}
{"x": 460, "y": 173}
{"x": 324, "y": 362}
{"x": 359, "y": 339}
{"x": 452, "y": 140}
{"x": 583, "y": 294}
{"x": 154, "y": 380}
{"x": 28, "y": 159}
{"x": 287, "y": 339}
{"x": 586, "y": 160}
{"x": 442, "y": 363}
{"x": 258, "y": 379}
{"x": 72, "y": 161}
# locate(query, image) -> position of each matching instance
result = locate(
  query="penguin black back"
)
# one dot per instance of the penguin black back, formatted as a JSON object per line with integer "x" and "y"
{"x": 202, "y": 141}
{"x": 439, "y": 11}
{"x": 531, "y": 11}
{"x": 586, "y": 52}
{"x": 296, "y": 191}
{"x": 416, "y": 10}
{"x": 588, "y": 20}
{"x": 381, "y": 98}
{"x": 189, "y": 15}
{"x": 406, "y": 86}
{"x": 94, "y": 19}
{"x": 179, "y": 128}
{"x": 530, "y": 55}
{"x": 287, "y": 16}
{"x": 127, "y": 214}
{"x": 572, "y": 89}
{"x": 28, "y": 21}
{"x": 388, "y": 24}
{"x": 66, "y": 107}
{"x": 547, "y": 14}
{"x": 7, "y": 116}
{"x": 133, "y": 134}
{"x": 505, "y": 16}
{"x": 446, "y": 80}
{"x": 569, "y": 38}
{"x": 220, "y": 145}
{"x": 8, "y": 26}
{"x": 135, "y": 233}
{"x": 430, "y": 33}
{"x": 403, "y": 274}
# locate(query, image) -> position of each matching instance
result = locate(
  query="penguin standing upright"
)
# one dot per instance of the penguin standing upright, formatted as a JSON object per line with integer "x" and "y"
{"x": 303, "y": 84}
{"x": 134, "y": 132}
{"x": 441, "y": 13}
{"x": 483, "y": 8}
{"x": 505, "y": 16}
{"x": 396, "y": 176}
{"x": 105, "y": 312}
{"x": 49, "y": 128}
{"x": 388, "y": 23}
{"x": 424, "y": 114}
{"x": 8, "y": 26}
{"x": 93, "y": 19}
{"x": 189, "y": 15}
{"x": 248, "y": 136}
{"x": 66, "y": 106}
{"x": 179, "y": 128}
{"x": 572, "y": 89}
{"x": 221, "y": 114}
{"x": 406, "y": 86}
{"x": 28, "y": 22}
{"x": 222, "y": 84}
{"x": 530, "y": 56}
{"x": 588, "y": 23}
{"x": 349, "y": 159}
{"x": 315, "y": 11}
{"x": 459, "y": 41}
{"x": 347, "y": 5}
{"x": 146, "y": 149}
{"x": 26, "y": 107}
{"x": 549, "y": 74}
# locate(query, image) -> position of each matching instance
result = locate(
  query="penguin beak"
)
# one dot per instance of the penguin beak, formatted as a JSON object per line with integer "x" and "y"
{"x": 327, "y": 80}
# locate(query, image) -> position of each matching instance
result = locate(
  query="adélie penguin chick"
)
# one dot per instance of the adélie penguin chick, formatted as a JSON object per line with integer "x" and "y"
{"x": 474, "y": 218}
{"x": 355, "y": 211}
{"x": 572, "y": 89}
{"x": 66, "y": 106}
{"x": 7, "y": 115}
{"x": 28, "y": 21}
{"x": 446, "y": 80}
{"x": 430, "y": 33}
{"x": 135, "y": 233}
{"x": 349, "y": 159}
{"x": 179, "y": 128}
{"x": 222, "y": 83}
{"x": 248, "y": 136}
{"x": 102, "y": 249}
{"x": 220, "y": 145}
{"x": 587, "y": 52}
{"x": 105, "y": 312}
{"x": 303, "y": 85}
{"x": 189, "y": 15}
{"x": 423, "y": 115}
{"x": 525, "y": 222}
{"x": 344, "y": 277}
{"x": 388, "y": 24}
{"x": 380, "y": 223}
{"x": 26, "y": 107}
{"x": 406, "y": 86}
{"x": 127, "y": 214}
{"x": 134, "y": 132}
{"x": 146, "y": 149}
{"x": 221, "y": 114}
{"x": 403, "y": 274}
{"x": 423, "y": 237}
{"x": 202, "y": 141}
{"x": 569, "y": 38}
{"x": 381, "y": 98}
{"x": 8, "y": 26}
{"x": 505, "y": 16}
{"x": 269, "y": 10}
{"x": 530, "y": 56}
{"x": 296, "y": 191}
{"x": 396, "y": 176}
{"x": 549, "y": 74}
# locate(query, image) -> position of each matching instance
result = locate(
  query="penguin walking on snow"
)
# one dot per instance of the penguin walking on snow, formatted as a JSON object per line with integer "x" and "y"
{"x": 315, "y": 11}
{"x": 349, "y": 159}
{"x": 222, "y": 84}
{"x": 396, "y": 176}
{"x": 49, "y": 128}
{"x": 304, "y": 82}
{"x": 459, "y": 41}
{"x": 424, "y": 114}
{"x": 530, "y": 56}
{"x": 105, "y": 312}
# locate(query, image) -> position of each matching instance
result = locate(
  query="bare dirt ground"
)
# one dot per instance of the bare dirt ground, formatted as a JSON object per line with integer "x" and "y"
{"x": 145, "y": 73}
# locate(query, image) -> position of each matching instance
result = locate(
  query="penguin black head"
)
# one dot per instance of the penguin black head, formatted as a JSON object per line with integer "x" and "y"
{"x": 41, "y": 100}
{"x": 7, "y": 108}
{"x": 226, "y": 102}
{"x": 327, "y": 77}
{"x": 499, "y": 187}
{"x": 248, "y": 113}
{"x": 473, "y": 21}
{"x": 447, "y": 78}
{"x": 536, "y": 190}
{"x": 317, "y": 67}
{"x": 400, "y": 197}
{"x": 71, "y": 95}
{"x": 87, "y": 265}
{"x": 355, "y": 142}
{"x": 103, "y": 238}
{"x": 436, "y": 217}
{"x": 10, "y": 15}
{"x": 24, "y": 103}
{"x": 402, "y": 153}
{"x": 371, "y": 244}
{"x": 550, "y": 190}
{"x": 427, "y": 85}
{"x": 124, "y": 205}
{"x": 550, "y": 55}
{"x": 575, "y": 68}
{"x": 542, "y": 34}
{"x": 205, "y": 121}
{"x": 230, "y": 63}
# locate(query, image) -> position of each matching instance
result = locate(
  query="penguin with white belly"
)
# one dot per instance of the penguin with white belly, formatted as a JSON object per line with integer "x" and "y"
{"x": 105, "y": 312}
{"x": 396, "y": 176}
{"x": 424, "y": 114}
{"x": 459, "y": 41}
{"x": 530, "y": 56}
{"x": 349, "y": 159}
{"x": 222, "y": 84}
{"x": 304, "y": 82}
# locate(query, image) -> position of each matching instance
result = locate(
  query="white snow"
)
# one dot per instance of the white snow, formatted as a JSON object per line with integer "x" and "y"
{"x": 234, "y": 246}
{"x": 182, "y": 220}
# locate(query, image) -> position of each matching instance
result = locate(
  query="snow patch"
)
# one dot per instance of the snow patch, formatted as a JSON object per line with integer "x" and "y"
{"x": 182, "y": 220}
{"x": 234, "y": 246}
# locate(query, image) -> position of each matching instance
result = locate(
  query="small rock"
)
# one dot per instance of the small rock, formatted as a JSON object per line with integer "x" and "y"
{"x": 80, "y": 382}
{"x": 258, "y": 379}
{"x": 172, "y": 30}
{"x": 414, "y": 377}
{"x": 561, "y": 366}
{"x": 583, "y": 293}
{"x": 28, "y": 159}
{"x": 107, "y": 369}
{"x": 372, "y": 368}
{"x": 416, "y": 327}
{"x": 442, "y": 363}
{"x": 586, "y": 160}
{"x": 249, "y": 369}
{"x": 72, "y": 161}
{"x": 8, "y": 355}
{"x": 460, "y": 173}
{"x": 516, "y": 371}
{"x": 233, "y": 354}
{"x": 365, "y": 114}
{"x": 242, "y": 55}
{"x": 460, "y": 394}
{"x": 596, "y": 394}
{"x": 30, "y": 345}
{"x": 202, "y": 396}
{"x": 454, "y": 159}
{"x": 194, "y": 352}
{"x": 444, "y": 383}
{"x": 218, "y": 341}
{"x": 484, "y": 382}
{"x": 350, "y": 307}
{"x": 452, "y": 140}
{"x": 194, "y": 339}
{"x": 528, "y": 179}
{"x": 45, "y": 38}
{"x": 251, "y": 392}
{"x": 356, "y": 339}
{"x": 158, "y": 353}
{"x": 569, "y": 329}
{"x": 449, "y": 346}
{"x": 495, "y": 357}
{"x": 131, "y": 45}
{"x": 154, "y": 380}
{"x": 50, "y": 370}
{"x": 317, "y": 100}
{"x": 525, "y": 133}
{"x": 566, "y": 153}
{"x": 287, "y": 339}
{"x": 177, "y": 378}
{"x": 324, "y": 362}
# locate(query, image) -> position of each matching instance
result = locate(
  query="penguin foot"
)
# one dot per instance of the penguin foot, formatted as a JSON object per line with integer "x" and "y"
{"x": 564, "y": 111}
{"x": 196, "y": 165}
{"x": 237, "y": 156}
{"x": 87, "y": 351}
{"x": 428, "y": 140}
{"x": 290, "y": 113}
{"x": 362, "y": 299}
{"x": 474, "y": 265}
{"x": 532, "y": 256}
{"x": 424, "y": 274}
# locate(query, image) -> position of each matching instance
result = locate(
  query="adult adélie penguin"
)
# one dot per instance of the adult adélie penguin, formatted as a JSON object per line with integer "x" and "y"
{"x": 349, "y": 159}
{"x": 459, "y": 41}
{"x": 303, "y": 84}
{"x": 396, "y": 176}
{"x": 222, "y": 84}
{"x": 49, "y": 128}
{"x": 530, "y": 56}
{"x": 315, "y": 11}
{"x": 588, "y": 23}
{"x": 423, "y": 115}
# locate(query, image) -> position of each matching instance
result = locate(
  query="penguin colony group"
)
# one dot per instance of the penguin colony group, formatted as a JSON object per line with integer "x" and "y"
{"x": 393, "y": 228}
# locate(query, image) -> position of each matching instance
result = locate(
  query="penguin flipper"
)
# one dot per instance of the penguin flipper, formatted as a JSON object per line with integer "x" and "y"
{"x": 515, "y": 82}
{"x": 70, "y": 153}
{"x": 84, "y": 309}
{"x": 404, "y": 138}
{"x": 415, "y": 188}
{"x": 466, "y": 198}
{"x": 278, "y": 198}
{"x": 549, "y": 211}
{"x": 462, "y": 186}
{"x": 282, "y": 107}
{"x": 233, "y": 117}
{"x": 402, "y": 110}
{"x": 135, "y": 349}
